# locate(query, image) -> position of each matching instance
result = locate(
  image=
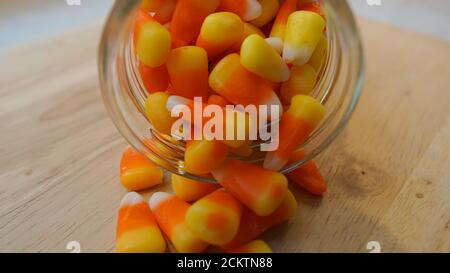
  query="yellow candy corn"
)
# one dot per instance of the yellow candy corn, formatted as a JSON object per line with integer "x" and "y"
{"x": 260, "y": 58}
{"x": 137, "y": 172}
{"x": 153, "y": 44}
{"x": 158, "y": 114}
{"x": 219, "y": 32}
{"x": 215, "y": 218}
{"x": 303, "y": 32}
{"x": 137, "y": 231}
{"x": 190, "y": 190}
{"x": 302, "y": 82}
{"x": 202, "y": 156}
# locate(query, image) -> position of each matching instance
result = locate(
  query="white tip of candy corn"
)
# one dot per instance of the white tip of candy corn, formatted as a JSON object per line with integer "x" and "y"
{"x": 276, "y": 43}
{"x": 131, "y": 198}
{"x": 273, "y": 162}
{"x": 174, "y": 101}
{"x": 157, "y": 198}
{"x": 298, "y": 56}
{"x": 254, "y": 10}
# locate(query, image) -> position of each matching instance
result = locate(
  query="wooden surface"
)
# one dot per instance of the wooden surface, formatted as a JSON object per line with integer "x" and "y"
{"x": 389, "y": 172}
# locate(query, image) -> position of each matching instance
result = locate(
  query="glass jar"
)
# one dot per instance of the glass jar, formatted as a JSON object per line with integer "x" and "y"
{"x": 338, "y": 89}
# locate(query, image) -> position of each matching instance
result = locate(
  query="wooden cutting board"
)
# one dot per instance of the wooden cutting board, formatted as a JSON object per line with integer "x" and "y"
{"x": 389, "y": 172}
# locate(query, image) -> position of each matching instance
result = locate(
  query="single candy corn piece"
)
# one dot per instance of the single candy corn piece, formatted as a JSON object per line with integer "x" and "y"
{"x": 319, "y": 56}
{"x": 137, "y": 172}
{"x": 215, "y": 218}
{"x": 303, "y": 32}
{"x": 141, "y": 17}
{"x": 154, "y": 79}
{"x": 259, "y": 189}
{"x": 153, "y": 44}
{"x": 275, "y": 43}
{"x": 249, "y": 29}
{"x": 190, "y": 190}
{"x": 269, "y": 11}
{"x": 188, "y": 71}
{"x": 246, "y": 9}
{"x": 302, "y": 82}
{"x": 296, "y": 125}
{"x": 240, "y": 86}
{"x": 260, "y": 58}
{"x": 188, "y": 18}
{"x": 157, "y": 113}
{"x": 218, "y": 100}
{"x": 252, "y": 225}
{"x": 219, "y": 32}
{"x": 307, "y": 176}
{"x": 202, "y": 156}
{"x": 164, "y": 14}
{"x": 170, "y": 213}
{"x": 279, "y": 26}
{"x": 137, "y": 230}
{"x": 257, "y": 246}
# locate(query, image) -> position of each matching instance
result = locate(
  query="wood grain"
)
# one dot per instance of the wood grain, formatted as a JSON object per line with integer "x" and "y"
{"x": 389, "y": 172}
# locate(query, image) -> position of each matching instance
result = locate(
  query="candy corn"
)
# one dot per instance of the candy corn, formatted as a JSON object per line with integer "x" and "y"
{"x": 187, "y": 19}
{"x": 170, "y": 212}
{"x": 154, "y": 79}
{"x": 202, "y": 156}
{"x": 137, "y": 230}
{"x": 190, "y": 190}
{"x": 302, "y": 82}
{"x": 303, "y": 32}
{"x": 260, "y": 58}
{"x": 253, "y": 225}
{"x": 296, "y": 124}
{"x": 249, "y": 29}
{"x": 188, "y": 71}
{"x": 159, "y": 116}
{"x": 259, "y": 189}
{"x": 153, "y": 44}
{"x": 215, "y": 218}
{"x": 307, "y": 176}
{"x": 212, "y": 37}
{"x": 152, "y": 5}
{"x": 269, "y": 11}
{"x": 137, "y": 172}
{"x": 141, "y": 17}
{"x": 247, "y": 9}
{"x": 279, "y": 26}
{"x": 257, "y": 246}
{"x": 240, "y": 86}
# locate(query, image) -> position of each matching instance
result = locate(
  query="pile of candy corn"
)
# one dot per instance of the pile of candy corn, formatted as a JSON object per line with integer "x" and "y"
{"x": 228, "y": 52}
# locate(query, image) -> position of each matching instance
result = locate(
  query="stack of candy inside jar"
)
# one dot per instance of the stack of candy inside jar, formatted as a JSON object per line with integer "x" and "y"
{"x": 228, "y": 52}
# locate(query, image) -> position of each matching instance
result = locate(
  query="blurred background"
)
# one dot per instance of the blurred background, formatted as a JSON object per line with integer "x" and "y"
{"x": 24, "y": 20}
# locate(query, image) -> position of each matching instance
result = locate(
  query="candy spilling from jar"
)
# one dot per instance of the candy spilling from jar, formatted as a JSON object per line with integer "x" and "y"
{"x": 227, "y": 53}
